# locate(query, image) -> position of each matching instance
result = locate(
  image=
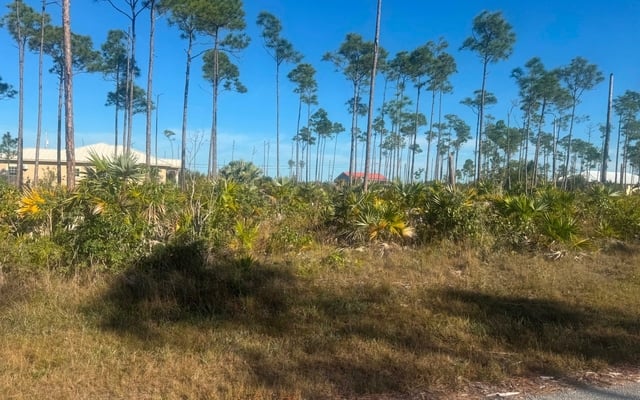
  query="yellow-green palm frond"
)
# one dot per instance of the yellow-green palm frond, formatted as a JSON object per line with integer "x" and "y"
{"x": 31, "y": 203}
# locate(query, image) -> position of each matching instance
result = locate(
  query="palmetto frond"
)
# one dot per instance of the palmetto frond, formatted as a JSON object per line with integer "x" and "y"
{"x": 123, "y": 168}
{"x": 560, "y": 227}
{"x": 522, "y": 208}
{"x": 31, "y": 203}
{"x": 383, "y": 220}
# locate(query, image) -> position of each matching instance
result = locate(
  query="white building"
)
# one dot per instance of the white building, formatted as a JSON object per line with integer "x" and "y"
{"x": 167, "y": 168}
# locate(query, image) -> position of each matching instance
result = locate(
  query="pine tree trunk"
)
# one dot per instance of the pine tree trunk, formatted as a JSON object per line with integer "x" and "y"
{"x": 40, "y": 68}
{"x": 152, "y": 30}
{"x": 439, "y": 162}
{"x": 555, "y": 152}
{"x": 59, "y": 130}
{"x": 297, "y": 140}
{"x": 384, "y": 96}
{"x": 278, "y": 121}
{"x": 333, "y": 162}
{"x": 372, "y": 86}
{"x": 213, "y": 151}
{"x": 125, "y": 106}
{"x": 537, "y": 149}
{"x": 323, "y": 156}
{"x": 481, "y": 122}
{"x": 318, "y": 156}
{"x": 183, "y": 149}
{"x": 68, "y": 92}
{"x": 21, "y": 47}
{"x": 354, "y": 125}
{"x": 117, "y": 107}
{"x": 309, "y": 141}
{"x": 526, "y": 151}
{"x": 566, "y": 165}
{"x": 625, "y": 159}
{"x": 430, "y": 135}
{"x": 131, "y": 85}
{"x": 618, "y": 151}
{"x": 414, "y": 140}
{"x": 607, "y": 136}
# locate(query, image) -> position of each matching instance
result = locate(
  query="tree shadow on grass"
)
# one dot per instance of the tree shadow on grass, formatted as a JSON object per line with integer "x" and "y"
{"x": 319, "y": 340}
{"x": 535, "y": 327}
{"x": 357, "y": 337}
{"x": 178, "y": 283}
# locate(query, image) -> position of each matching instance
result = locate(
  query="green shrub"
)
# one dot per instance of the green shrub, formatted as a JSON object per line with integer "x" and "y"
{"x": 624, "y": 217}
{"x": 40, "y": 252}
{"x": 287, "y": 238}
{"x": 106, "y": 241}
{"x": 516, "y": 219}
{"x": 450, "y": 214}
{"x": 9, "y": 200}
{"x": 214, "y": 208}
{"x": 549, "y": 217}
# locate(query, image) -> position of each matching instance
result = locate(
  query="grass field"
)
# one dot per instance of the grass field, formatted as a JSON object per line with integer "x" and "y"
{"x": 323, "y": 323}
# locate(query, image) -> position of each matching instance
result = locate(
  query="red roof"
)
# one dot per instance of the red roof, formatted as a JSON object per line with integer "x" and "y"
{"x": 360, "y": 175}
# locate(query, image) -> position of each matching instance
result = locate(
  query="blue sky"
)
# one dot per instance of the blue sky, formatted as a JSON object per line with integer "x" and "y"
{"x": 605, "y": 33}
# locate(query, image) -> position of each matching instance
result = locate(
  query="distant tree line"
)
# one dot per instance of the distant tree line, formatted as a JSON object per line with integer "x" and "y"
{"x": 541, "y": 148}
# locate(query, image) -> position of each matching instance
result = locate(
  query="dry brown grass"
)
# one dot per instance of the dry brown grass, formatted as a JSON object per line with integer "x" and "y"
{"x": 324, "y": 323}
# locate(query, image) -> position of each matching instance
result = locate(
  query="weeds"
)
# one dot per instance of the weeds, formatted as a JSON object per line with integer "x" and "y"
{"x": 187, "y": 323}
{"x": 275, "y": 290}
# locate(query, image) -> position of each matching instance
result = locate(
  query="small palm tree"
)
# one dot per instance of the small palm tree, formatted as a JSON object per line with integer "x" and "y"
{"x": 108, "y": 181}
{"x": 241, "y": 172}
{"x": 110, "y": 213}
{"x": 383, "y": 220}
{"x": 123, "y": 168}
{"x": 369, "y": 216}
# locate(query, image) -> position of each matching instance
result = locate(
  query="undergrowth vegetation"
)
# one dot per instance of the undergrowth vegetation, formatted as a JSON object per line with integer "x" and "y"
{"x": 115, "y": 217}
{"x": 261, "y": 289}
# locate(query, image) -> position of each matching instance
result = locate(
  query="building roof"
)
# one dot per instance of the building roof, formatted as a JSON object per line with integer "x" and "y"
{"x": 360, "y": 175}
{"x": 594, "y": 176}
{"x": 102, "y": 149}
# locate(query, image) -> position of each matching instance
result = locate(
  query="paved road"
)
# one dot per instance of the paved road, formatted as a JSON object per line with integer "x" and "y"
{"x": 629, "y": 391}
